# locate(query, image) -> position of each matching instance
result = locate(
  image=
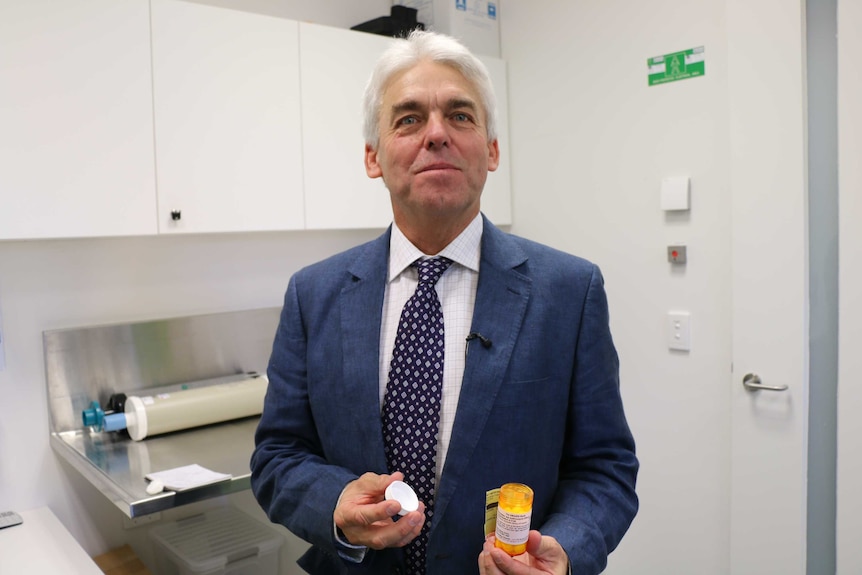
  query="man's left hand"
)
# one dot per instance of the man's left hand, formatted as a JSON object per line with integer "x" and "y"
{"x": 543, "y": 555}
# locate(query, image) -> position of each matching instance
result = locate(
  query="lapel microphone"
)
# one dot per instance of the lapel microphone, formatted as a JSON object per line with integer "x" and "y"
{"x": 486, "y": 343}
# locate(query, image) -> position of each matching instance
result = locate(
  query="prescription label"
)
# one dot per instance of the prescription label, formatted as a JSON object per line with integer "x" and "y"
{"x": 492, "y": 500}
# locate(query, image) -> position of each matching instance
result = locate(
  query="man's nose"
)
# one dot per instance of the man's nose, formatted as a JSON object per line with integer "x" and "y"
{"x": 436, "y": 132}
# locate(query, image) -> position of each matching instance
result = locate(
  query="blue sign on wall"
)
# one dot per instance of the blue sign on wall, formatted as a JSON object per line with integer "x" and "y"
{"x": 461, "y": 5}
{"x": 492, "y": 11}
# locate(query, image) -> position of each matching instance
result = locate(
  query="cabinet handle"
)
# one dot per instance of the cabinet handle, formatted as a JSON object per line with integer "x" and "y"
{"x": 176, "y": 215}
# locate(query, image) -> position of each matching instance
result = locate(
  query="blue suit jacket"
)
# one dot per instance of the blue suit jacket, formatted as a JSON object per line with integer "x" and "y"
{"x": 541, "y": 406}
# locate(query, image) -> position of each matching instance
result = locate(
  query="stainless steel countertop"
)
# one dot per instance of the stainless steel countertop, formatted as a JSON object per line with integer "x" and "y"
{"x": 91, "y": 363}
{"x": 116, "y": 465}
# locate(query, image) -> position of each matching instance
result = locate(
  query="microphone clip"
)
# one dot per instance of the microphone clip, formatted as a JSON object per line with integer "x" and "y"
{"x": 486, "y": 343}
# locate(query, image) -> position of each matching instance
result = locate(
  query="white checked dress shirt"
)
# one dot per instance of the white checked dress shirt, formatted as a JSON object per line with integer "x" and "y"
{"x": 457, "y": 292}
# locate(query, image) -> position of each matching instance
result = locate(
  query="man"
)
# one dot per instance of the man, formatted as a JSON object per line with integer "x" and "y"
{"x": 519, "y": 342}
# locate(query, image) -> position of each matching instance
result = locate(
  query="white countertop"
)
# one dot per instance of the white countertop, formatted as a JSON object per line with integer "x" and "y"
{"x": 42, "y": 545}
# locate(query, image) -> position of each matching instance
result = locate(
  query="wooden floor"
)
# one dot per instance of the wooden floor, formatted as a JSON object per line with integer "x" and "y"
{"x": 121, "y": 561}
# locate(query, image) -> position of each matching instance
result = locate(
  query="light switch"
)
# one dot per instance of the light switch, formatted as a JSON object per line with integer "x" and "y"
{"x": 674, "y": 193}
{"x": 679, "y": 330}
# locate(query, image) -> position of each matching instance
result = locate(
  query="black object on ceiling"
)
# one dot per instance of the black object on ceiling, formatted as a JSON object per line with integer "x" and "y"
{"x": 400, "y": 22}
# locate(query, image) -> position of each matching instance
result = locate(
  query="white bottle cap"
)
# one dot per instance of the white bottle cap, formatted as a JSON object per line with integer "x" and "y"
{"x": 155, "y": 487}
{"x": 403, "y": 494}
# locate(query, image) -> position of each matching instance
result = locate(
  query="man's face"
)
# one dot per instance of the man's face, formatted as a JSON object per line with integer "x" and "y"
{"x": 433, "y": 152}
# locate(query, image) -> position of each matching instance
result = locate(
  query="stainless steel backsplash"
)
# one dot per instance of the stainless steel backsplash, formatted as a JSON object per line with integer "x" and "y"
{"x": 92, "y": 363}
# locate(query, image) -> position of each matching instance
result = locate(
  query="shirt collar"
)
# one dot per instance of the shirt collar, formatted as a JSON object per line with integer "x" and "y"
{"x": 464, "y": 249}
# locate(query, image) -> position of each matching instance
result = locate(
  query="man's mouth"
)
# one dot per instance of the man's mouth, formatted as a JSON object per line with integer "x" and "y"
{"x": 436, "y": 167}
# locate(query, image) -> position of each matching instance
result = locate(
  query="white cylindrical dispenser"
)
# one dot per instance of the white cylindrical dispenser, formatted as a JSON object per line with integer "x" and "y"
{"x": 165, "y": 412}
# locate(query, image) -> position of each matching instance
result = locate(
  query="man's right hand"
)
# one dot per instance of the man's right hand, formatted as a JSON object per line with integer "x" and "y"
{"x": 365, "y": 518}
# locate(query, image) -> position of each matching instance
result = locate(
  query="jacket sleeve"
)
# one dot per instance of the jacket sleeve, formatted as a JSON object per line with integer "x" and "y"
{"x": 289, "y": 475}
{"x": 595, "y": 502}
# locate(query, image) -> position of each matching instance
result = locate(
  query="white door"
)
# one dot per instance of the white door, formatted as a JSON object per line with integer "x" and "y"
{"x": 766, "y": 78}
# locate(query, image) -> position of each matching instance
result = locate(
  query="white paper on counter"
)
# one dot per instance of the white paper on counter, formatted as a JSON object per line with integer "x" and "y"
{"x": 187, "y": 477}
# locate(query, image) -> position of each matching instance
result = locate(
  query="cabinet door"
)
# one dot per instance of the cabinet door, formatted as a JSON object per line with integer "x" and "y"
{"x": 228, "y": 144}
{"x": 76, "y": 119}
{"x": 335, "y": 66}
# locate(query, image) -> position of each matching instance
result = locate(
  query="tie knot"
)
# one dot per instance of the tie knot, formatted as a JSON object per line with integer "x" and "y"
{"x": 431, "y": 269}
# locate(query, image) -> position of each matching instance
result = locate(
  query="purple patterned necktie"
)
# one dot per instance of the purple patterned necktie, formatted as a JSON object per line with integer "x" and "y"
{"x": 411, "y": 406}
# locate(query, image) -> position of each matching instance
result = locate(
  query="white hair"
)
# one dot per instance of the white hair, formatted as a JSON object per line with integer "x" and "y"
{"x": 410, "y": 51}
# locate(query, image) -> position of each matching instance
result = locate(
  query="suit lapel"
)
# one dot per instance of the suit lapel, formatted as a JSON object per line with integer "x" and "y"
{"x": 361, "y": 303}
{"x": 501, "y": 302}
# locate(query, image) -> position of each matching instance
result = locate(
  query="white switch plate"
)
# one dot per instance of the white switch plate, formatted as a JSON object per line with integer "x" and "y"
{"x": 675, "y": 193}
{"x": 679, "y": 330}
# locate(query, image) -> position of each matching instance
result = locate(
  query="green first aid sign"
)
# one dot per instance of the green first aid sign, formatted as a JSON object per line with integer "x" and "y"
{"x": 676, "y": 66}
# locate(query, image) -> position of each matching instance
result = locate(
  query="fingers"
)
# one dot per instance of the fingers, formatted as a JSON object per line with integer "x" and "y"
{"x": 365, "y": 518}
{"x": 544, "y": 555}
{"x": 547, "y": 553}
{"x": 368, "y": 488}
{"x": 487, "y": 564}
{"x": 387, "y": 532}
{"x": 409, "y": 527}
{"x": 350, "y": 515}
{"x": 537, "y": 545}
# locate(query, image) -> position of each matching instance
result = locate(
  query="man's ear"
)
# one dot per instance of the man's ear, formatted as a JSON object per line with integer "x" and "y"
{"x": 372, "y": 167}
{"x": 493, "y": 155}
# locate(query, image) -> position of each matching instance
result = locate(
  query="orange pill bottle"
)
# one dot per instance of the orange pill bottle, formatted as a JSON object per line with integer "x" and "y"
{"x": 514, "y": 511}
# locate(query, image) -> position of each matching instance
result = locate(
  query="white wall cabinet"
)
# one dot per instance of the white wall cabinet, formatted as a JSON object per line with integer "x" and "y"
{"x": 227, "y": 120}
{"x": 76, "y": 121}
{"x": 138, "y": 118}
{"x": 335, "y": 66}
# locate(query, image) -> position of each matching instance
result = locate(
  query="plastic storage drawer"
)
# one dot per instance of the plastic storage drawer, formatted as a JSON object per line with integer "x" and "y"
{"x": 224, "y": 541}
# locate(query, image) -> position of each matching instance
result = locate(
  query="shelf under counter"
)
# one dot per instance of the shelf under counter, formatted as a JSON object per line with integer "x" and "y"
{"x": 117, "y": 465}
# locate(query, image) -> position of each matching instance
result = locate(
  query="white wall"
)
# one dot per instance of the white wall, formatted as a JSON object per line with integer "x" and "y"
{"x": 849, "y": 529}
{"x": 338, "y": 13}
{"x": 590, "y": 145}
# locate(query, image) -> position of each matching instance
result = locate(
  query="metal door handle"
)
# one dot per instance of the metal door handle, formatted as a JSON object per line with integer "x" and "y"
{"x": 751, "y": 381}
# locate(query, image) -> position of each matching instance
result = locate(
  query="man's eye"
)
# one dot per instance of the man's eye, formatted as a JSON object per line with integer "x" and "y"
{"x": 407, "y": 121}
{"x": 462, "y": 117}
